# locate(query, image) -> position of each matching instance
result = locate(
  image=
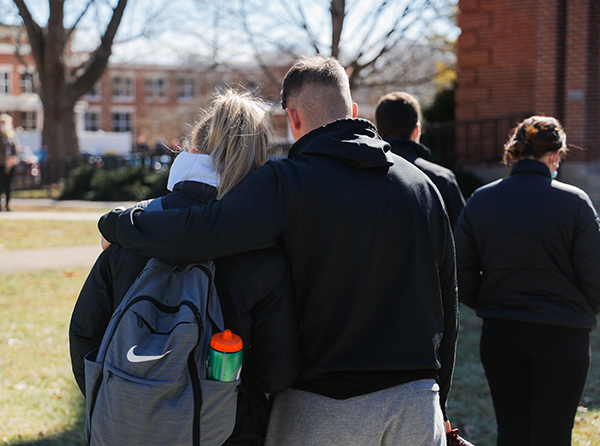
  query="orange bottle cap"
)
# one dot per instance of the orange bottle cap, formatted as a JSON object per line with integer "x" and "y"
{"x": 227, "y": 342}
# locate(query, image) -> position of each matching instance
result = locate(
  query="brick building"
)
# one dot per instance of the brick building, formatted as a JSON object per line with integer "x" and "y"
{"x": 156, "y": 103}
{"x": 522, "y": 57}
{"x": 17, "y": 74}
{"x": 160, "y": 103}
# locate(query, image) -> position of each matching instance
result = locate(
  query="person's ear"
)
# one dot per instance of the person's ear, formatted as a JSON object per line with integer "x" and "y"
{"x": 555, "y": 158}
{"x": 295, "y": 120}
{"x": 354, "y": 110}
{"x": 416, "y": 134}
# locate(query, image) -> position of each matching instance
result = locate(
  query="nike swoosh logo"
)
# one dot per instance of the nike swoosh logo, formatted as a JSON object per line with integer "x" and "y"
{"x": 132, "y": 357}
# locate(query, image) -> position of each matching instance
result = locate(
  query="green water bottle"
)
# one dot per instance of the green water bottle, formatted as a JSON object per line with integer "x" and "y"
{"x": 225, "y": 357}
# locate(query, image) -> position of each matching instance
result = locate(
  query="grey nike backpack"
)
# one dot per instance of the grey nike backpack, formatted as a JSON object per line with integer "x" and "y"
{"x": 146, "y": 384}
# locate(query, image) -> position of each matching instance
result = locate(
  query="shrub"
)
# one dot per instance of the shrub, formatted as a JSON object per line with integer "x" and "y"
{"x": 89, "y": 182}
{"x": 79, "y": 183}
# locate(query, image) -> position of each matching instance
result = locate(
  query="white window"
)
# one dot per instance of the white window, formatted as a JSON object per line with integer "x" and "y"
{"x": 156, "y": 88}
{"x": 29, "y": 120}
{"x": 121, "y": 122}
{"x": 186, "y": 88}
{"x": 94, "y": 93}
{"x": 122, "y": 87}
{"x": 91, "y": 121}
{"x": 26, "y": 83}
{"x": 5, "y": 82}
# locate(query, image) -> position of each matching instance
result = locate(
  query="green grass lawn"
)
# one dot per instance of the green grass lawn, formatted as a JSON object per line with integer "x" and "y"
{"x": 41, "y": 405}
{"x": 24, "y": 234}
{"x": 39, "y": 400}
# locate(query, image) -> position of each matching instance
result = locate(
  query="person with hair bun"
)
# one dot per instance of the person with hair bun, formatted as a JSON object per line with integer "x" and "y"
{"x": 528, "y": 262}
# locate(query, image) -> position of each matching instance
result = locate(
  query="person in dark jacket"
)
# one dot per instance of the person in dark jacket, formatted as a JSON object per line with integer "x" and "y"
{"x": 398, "y": 120}
{"x": 8, "y": 157}
{"x": 254, "y": 287}
{"x": 373, "y": 269}
{"x": 528, "y": 260}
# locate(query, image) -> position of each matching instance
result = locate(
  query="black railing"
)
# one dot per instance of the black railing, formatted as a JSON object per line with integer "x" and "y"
{"x": 439, "y": 137}
{"x": 482, "y": 140}
{"x": 57, "y": 170}
{"x": 453, "y": 144}
{"x": 477, "y": 141}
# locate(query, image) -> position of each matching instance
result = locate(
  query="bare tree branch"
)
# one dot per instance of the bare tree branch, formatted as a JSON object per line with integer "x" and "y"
{"x": 337, "y": 10}
{"x": 264, "y": 66}
{"x": 74, "y": 26}
{"x": 363, "y": 34}
{"x": 304, "y": 25}
{"x": 99, "y": 58}
{"x": 34, "y": 32}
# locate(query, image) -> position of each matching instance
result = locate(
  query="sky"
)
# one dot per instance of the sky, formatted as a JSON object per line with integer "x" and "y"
{"x": 167, "y": 32}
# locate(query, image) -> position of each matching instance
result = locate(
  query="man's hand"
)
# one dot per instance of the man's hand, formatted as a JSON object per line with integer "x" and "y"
{"x": 108, "y": 225}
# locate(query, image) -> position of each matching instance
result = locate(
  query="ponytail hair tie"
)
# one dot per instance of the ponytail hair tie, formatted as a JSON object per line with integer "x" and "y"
{"x": 530, "y": 132}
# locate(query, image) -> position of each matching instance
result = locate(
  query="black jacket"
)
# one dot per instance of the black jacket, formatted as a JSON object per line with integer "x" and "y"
{"x": 443, "y": 178}
{"x": 255, "y": 293}
{"x": 369, "y": 244}
{"x": 528, "y": 249}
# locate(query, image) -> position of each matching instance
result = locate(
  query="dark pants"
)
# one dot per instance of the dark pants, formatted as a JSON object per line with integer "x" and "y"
{"x": 536, "y": 375}
{"x": 5, "y": 180}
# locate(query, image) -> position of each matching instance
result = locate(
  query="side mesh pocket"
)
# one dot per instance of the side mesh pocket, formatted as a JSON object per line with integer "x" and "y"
{"x": 93, "y": 375}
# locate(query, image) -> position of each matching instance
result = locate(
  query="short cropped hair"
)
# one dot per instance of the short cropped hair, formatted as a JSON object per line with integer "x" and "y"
{"x": 397, "y": 115}
{"x": 235, "y": 131}
{"x": 319, "y": 86}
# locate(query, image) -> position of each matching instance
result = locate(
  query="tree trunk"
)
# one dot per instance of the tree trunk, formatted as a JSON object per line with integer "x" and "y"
{"x": 60, "y": 89}
{"x": 59, "y": 134}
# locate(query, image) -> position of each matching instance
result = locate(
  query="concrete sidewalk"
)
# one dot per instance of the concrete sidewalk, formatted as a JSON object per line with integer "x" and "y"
{"x": 48, "y": 258}
{"x": 51, "y": 215}
{"x": 68, "y": 204}
{"x": 60, "y": 257}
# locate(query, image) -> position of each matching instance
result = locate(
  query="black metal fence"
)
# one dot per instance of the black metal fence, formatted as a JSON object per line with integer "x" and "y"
{"x": 57, "y": 170}
{"x": 477, "y": 141}
{"x": 482, "y": 140}
{"x": 453, "y": 144}
{"x": 440, "y": 138}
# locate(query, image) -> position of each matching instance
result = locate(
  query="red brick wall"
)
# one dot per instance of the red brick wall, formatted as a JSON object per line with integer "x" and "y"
{"x": 489, "y": 72}
{"x": 517, "y": 57}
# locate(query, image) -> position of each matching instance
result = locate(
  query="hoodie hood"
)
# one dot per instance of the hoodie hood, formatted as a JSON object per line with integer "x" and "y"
{"x": 354, "y": 141}
{"x": 193, "y": 167}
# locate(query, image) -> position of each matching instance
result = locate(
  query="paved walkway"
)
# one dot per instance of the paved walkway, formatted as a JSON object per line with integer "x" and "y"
{"x": 48, "y": 258}
{"x": 53, "y": 258}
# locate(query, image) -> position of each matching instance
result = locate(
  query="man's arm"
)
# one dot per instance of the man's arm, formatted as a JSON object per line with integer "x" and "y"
{"x": 447, "y": 350}
{"x": 250, "y": 217}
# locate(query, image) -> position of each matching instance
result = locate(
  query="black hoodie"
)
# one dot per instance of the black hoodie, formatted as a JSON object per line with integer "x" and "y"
{"x": 370, "y": 248}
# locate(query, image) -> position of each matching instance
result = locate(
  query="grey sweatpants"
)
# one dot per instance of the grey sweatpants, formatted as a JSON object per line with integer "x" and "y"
{"x": 405, "y": 415}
